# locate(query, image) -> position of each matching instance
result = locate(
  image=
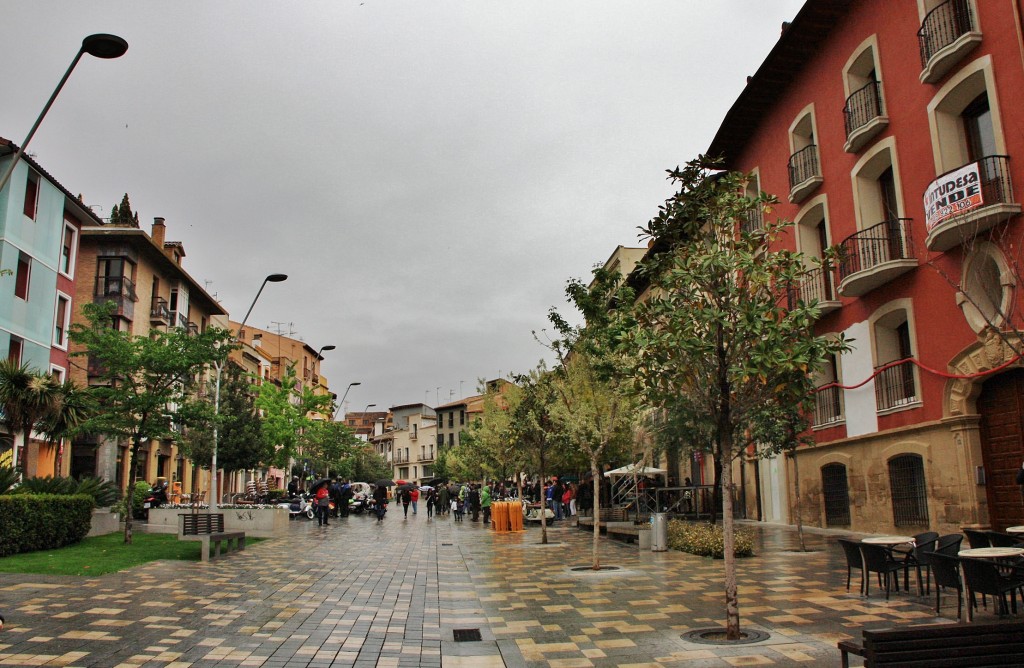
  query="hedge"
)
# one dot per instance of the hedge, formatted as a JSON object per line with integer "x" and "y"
{"x": 707, "y": 540}
{"x": 30, "y": 522}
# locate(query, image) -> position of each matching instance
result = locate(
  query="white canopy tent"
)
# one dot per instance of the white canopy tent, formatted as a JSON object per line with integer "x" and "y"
{"x": 626, "y": 489}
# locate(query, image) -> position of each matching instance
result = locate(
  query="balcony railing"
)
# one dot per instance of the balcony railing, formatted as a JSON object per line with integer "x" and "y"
{"x": 828, "y": 406}
{"x": 943, "y": 26}
{"x": 948, "y": 226}
{"x": 817, "y": 285}
{"x": 115, "y": 286}
{"x": 192, "y": 328}
{"x": 159, "y": 314}
{"x": 804, "y": 172}
{"x": 182, "y": 320}
{"x": 870, "y": 249}
{"x": 753, "y": 221}
{"x": 863, "y": 108}
{"x": 895, "y": 387}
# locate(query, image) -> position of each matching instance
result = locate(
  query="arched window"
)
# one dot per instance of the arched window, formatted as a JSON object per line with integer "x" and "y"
{"x": 909, "y": 496}
{"x": 836, "y": 492}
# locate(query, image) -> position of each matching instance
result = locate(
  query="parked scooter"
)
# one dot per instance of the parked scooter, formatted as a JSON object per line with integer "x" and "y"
{"x": 155, "y": 497}
{"x": 299, "y": 506}
{"x": 358, "y": 504}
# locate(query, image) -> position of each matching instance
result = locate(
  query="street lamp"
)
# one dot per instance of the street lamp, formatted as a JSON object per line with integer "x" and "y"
{"x": 342, "y": 402}
{"x": 272, "y": 278}
{"x": 100, "y": 46}
{"x": 368, "y": 407}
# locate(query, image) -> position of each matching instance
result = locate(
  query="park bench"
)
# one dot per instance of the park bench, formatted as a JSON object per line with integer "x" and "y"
{"x": 939, "y": 645}
{"x": 208, "y": 528}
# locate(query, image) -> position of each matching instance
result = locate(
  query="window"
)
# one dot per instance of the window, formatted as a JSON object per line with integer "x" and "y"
{"x": 978, "y": 131}
{"x": 909, "y": 495}
{"x": 451, "y": 440}
{"x": 14, "y": 349}
{"x": 964, "y": 118}
{"x": 895, "y": 385}
{"x": 69, "y": 247}
{"x": 987, "y": 287}
{"x": 57, "y": 373}
{"x": 804, "y": 169}
{"x": 948, "y": 32}
{"x": 61, "y": 320}
{"x": 440, "y": 440}
{"x": 462, "y": 417}
{"x": 22, "y": 276}
{"x": 813, "y": 239}
{"x": 755, "y": 217}
{"x": 836, "y": 493}
{"x": 114, "y": 277}
{"x": 451, "y": 420}
{"x": 828, "y": 400}
{"x": 31, "y": 195}
{"x": 864, "y": 112}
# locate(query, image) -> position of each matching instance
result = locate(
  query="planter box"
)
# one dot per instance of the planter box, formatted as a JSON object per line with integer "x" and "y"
{"x": 255, "y": 522}
{"x": 104, "y": 521}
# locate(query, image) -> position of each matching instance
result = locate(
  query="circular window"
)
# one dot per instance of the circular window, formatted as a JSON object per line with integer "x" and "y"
{"x": 985, "y": 288}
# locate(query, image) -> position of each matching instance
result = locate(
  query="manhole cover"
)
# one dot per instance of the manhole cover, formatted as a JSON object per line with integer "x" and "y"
{"x": 716, "y": 636}
{"x": 580, "y": 569}
{"x": 467, "y": 635}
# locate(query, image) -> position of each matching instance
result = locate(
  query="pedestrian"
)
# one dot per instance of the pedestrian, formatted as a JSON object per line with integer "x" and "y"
{"x": 431, "y": 502}
{"x": 335, "y": 492}
{"x": 485, "y": 503}
{"x": 473, "y": 498}
{"x": 346, "y": 497}
{"x": 687, "y": 494}
{"x": 415, "y": 495}
{"x": 380, "y": 501}
{"x": 323, "y": 506}
{"x": 569, "y": 499}
{"x": 556, "y": 497}
{"x": 443, "y": 500}
{"x": 406, "y": 496}
{"x": 293, "y": 487}
{"x": 456, "y": 504}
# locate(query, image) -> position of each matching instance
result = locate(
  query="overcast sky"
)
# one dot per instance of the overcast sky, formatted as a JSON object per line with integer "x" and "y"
{"x": 428, "y": 173}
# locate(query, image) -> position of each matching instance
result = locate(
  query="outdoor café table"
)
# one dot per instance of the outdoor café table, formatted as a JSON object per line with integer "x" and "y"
{"x": 1019, "y": 529}
{"x": 992, "y": 552}
{"x": 891, "y": 541}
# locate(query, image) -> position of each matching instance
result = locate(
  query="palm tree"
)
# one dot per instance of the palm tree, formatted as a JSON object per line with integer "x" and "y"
{"x": 72, "y": 407}
{"x": 27, "y": 400}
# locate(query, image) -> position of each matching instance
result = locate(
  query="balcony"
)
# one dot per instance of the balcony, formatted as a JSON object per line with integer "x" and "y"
{"x": 182, "y": 320}
{"x": 828, "y": 406}
{"x": 115, "y": 287}
{"x": 947, "y": 34}
{"x": 968, "y": 200}
{"x": 816, "y": 286}
{"x": 192, "y": 328}
{"x": 895, "y": 386}
{"x": 864, "y": 115}
{"x": 752, "y": 222}
{"x": 159, "y": 314}
{"x": 875, "y": 256}
{"x": 804, "y": 173}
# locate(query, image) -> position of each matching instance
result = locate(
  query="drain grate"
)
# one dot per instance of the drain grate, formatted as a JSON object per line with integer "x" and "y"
{"x": 467, "y": 635}
{"x": 446, "y": 544}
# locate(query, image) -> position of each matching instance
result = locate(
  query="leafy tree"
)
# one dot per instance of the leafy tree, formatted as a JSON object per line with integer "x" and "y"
{"x": 715, "y": 333}
{"x": 286, "y": 414}
{"x": 32, "y": 401}
{"x": 594, "y": 409}
{"x": 486, "y": 448}
{"x": 145, "y": 384}
{"x": 241, "y": 444}
{"x": 330, "y": 446}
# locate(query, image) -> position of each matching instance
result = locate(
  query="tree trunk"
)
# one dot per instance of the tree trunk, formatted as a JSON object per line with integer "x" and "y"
{"x": 596, "y": 474}
{"x": 130, "y": 494}
{"x": 732, "y": 608}
{"x": 716, "y": 493}
{"x": 543, "y": 502}
{"x": 27, "y": 440}
{"x": 796, "y": 501}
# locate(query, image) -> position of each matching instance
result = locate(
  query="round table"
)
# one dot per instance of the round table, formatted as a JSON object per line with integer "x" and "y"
{"x": 1019, "y": 529}
{"x": 992, "y": 552}
{"x": 888, "y": 540}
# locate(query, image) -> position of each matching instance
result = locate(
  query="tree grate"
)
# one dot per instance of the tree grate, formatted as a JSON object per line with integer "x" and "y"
{"x": 467, "y": 635}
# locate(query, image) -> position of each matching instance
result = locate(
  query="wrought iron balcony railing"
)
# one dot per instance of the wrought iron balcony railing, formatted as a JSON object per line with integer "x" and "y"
{"x": 118, "y": 287}
{"x": 885, "y": 242}
{"x": 942, "y": 26}
{"x": 817, "y": 285}
{"x": 158, "y": 312}
{"x": 862, "y": 107}
{"x": 828, "y": 405}
{"x": 895, "y": 386}
{"x": 804, "y": 172}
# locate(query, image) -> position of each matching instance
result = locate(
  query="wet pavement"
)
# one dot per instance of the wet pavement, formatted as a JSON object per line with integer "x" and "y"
{"x": 362, "y": 593}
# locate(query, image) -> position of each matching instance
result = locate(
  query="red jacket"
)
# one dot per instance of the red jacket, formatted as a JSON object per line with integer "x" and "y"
{"x": 415, "y": 494}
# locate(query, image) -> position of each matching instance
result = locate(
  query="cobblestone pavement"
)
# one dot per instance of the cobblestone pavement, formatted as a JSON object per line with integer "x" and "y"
{"x": 359, "y": 593}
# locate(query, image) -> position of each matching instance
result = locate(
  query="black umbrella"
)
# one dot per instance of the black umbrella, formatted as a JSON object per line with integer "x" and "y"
{"x": 318, "y": 484}
{"x": 385, "y": 482}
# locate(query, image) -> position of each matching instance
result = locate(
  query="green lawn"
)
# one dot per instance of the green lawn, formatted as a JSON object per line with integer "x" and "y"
{"x": 104, "y": 554}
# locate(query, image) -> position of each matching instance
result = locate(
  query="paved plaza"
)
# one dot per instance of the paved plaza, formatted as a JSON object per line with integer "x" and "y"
{"x": 359, "y": 593}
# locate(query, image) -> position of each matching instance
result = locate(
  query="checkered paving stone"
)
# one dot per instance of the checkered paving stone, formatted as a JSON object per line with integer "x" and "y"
{"x": 359, "y": 593}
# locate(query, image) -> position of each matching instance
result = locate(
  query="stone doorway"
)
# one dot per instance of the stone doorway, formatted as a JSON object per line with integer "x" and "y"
{"x": 1001, "y": 408}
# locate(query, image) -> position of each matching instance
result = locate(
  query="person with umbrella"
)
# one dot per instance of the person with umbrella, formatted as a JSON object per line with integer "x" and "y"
{"x": 380, "y": 498}
{"x": 322, "y": 496}
{"x": 415, "y": 494}
{"x": 405, "y": 494}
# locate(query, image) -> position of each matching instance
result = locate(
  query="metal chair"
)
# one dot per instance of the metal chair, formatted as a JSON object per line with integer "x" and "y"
{"x": 912, "y": 558}
{"x": 976, "y": 538}
{"x": 946, "y": 569}
{"x": 984, "y": 576}
{"x": 999, "y": 539}
{"x": 879, "y": 559}
{"x": 948, "y": 545}
{"x": 851, "y": 548}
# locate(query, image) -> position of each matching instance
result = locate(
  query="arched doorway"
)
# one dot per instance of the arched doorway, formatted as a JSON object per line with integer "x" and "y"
{"x": 1001, "y": 407}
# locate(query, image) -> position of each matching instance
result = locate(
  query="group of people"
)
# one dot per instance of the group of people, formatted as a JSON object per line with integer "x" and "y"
{"x": 337, "y": 491}
{"x": 455, "y": 499}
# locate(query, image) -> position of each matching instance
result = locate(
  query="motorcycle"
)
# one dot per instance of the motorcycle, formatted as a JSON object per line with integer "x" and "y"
{"x": 358, "y": 504}
{"x": 156, "y": 496}
{"x": 299, "y": 506}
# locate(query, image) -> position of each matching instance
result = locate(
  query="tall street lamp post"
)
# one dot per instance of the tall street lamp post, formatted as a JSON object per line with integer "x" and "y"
{"x": 99, "y": 46}
{"x": 272, "y": 278}
{"x": 342, "y": 402}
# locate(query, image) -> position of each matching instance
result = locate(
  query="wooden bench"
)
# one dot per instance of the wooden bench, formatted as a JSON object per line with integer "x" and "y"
{"x": 940, "y": 645}
{"x": 208, "y": 528}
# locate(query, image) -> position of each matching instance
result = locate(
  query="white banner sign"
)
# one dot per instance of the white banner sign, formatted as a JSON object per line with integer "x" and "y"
{"x": 954, "y": 193}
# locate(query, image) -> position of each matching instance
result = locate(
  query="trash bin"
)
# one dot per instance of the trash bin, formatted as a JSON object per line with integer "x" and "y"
{"x": 659, "y": 532}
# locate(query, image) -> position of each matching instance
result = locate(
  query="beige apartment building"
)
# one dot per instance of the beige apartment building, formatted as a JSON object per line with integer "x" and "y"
{"x": 142, "y": 274}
